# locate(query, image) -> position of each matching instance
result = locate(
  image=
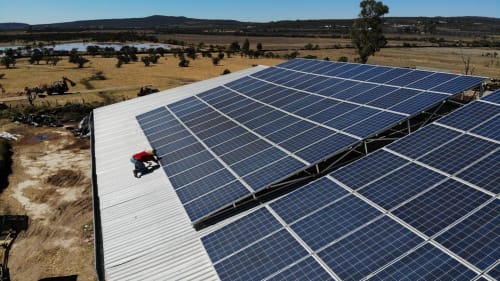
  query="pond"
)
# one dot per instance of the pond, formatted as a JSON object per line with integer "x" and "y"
{"x": 82, "y": 47}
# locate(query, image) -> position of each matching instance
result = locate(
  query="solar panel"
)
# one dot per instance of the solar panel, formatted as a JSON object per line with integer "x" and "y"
{"x": 301, "y": 112}
{"x": 386, "y": 239}
{"x": 426, "y": 263}
{"x": 400, "y": 212}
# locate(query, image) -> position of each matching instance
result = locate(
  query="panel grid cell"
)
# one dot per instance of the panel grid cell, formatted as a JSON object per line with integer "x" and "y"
{"x": 426, "y": 263}
{"x": 330, "y": 223}
{"x": 476, "y": 238}
{"x": 308, "y": 269}
{"x": 470, "y": 115}
{"x": 264, "y": 258}
{"x": 239, "y": 234}
{"x": 307, "y": 199}
{"x": 357, "y": 174}
{"x": 434, "y": 210}
{"x": 366, "y": 250}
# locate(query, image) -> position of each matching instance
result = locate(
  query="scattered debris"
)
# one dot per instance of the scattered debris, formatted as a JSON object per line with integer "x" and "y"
{"x": 83, "y": 129}
{"x": 8, "y": 136}
{"x": 38, "y": 120}
{"x": 146, "y": 90}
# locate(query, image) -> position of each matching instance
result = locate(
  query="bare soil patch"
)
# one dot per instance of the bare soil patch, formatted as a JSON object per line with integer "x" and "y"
{"x": 51, "y": 184}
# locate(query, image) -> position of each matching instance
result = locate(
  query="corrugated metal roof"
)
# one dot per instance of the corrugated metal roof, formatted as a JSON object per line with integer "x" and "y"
{"x": 146, "y": 232}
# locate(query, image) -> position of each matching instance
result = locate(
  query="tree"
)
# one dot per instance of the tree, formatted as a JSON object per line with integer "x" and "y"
{"x": 215, "y": 60}
{"x": 37, "y": 56}
{"x": 183, "y": 62}
{"x": 235, "y": 47}
{"x": 146, "y": 60}
{"x": 77, "y": 59}
{"x": 367, "y": 34}
{"x": 246, "y": 47}
{"x": 7, "y": 61}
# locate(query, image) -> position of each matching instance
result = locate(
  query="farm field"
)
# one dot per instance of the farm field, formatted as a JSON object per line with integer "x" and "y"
{"x": 124, "y": 82}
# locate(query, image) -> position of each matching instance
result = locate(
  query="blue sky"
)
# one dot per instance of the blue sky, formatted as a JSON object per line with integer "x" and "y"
{"x": 51, "y": 11}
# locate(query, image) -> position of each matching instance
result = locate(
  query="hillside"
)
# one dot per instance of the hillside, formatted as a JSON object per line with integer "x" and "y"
{"x": 467, "y": 26}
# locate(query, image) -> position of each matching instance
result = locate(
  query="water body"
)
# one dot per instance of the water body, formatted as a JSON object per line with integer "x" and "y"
{"x": 82, "y": 47}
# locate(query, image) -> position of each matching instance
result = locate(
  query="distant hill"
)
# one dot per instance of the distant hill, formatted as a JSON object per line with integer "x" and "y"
{"x": 13, "y": 26}
{"x": 140, "y": 23}
{"x": 469, "y": 26}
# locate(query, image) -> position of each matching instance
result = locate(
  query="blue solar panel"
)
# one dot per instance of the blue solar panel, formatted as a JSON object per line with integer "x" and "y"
{"x": 207, "y": 133}
{"x": 264, "y": 119}
{"x": 492, "y": 97}
{"x": 409, "y": 78}
{"x": 245, "y": 151}
{"x": 364, "y": 76}
{"x": 459, "y": 84}
{"x": 356, "y": 71}
{"x": 373, "y": 124}
{"x": 471, "y": 115}
{"x": 301, "y": 103}
{"x": 204, "y": 185}
{"x": 352, "y": 117}
{"x": 489, "y": 129}
{"x": 276, "y": 125}
{"x": 476, "y": 238}
{"x": 335, "y": 89}
{"x": 447, "y": 159}
{"x": 307, "y": 138}
{"x": 373, "y": 94}
{"x": 369, "y": 249}
{"x": 393, "y": 98}
{"x": 330, "y": 223}
{"x": 187, "y": 163}
{"x": 418, "y": 103}
{"x": 432, "y": 81}
{"x": 485, "y": 173}
{"x": 311, "y": 197}
{"x": 189, "y": 134}
{"x": 326, "y": 147}
{"x": 164, "y": 148}
{"x": 495, "y": 272}
{"x": 354, "y": 91}
{"x": 234, "y": 143}
{"x": 224, "y": 136}
{"x": 332, "y": 112}
{"x": 258, "y": 160}
{"x": 423, "y": 141}
{"x": 426, "y": 263}
{"x": 399, "y": 186}
{"x": 290, "y": 131}
{"x": 308, "y": 269}
{"x": 195, "y": 173}
{"x": 356, "y": 174}
{"x": 264, "y": 258}
{"x": 436, "y": 209}
{"x": 304, "y": 85}
{"x": 239, "y": 234}
{"x": 314, "y": 108}
{"x": 213, "y": 201}
{"x": 341, "y": 69}
{"x": 273, "y": 172}
{"x": 389, "y": 75}
{"x": 321, "y": 86}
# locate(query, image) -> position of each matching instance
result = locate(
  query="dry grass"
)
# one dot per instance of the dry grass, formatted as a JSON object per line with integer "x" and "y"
{"x": 123, "y": 82}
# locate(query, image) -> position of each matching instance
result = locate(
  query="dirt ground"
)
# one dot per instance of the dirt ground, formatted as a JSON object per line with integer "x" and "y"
{"x": 50, "y": 182}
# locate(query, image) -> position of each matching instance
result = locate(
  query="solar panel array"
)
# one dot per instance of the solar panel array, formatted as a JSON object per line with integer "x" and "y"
{"x": 425, "y": 207}
{"x": 232, "y": 141}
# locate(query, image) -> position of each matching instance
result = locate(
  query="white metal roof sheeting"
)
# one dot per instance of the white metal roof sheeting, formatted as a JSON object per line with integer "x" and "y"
{"x": 146, "y": 232}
